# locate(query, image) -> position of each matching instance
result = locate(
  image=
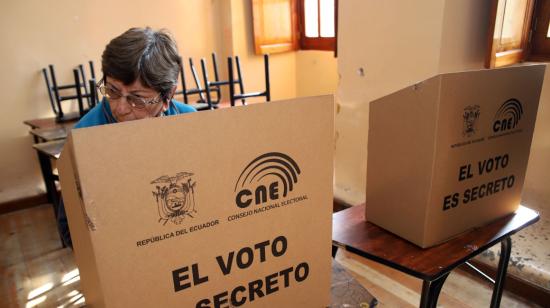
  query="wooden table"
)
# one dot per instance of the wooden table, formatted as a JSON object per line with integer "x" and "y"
{"x": 50, "y": 133}
{"x": 48, "y": 151}
{"x": 52, "y": 122}
{"x": 352, "y": 232}
{"x": 48, "y": 144}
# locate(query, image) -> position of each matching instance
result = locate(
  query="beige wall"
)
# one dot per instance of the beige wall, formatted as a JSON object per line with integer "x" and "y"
{"x": 292, "y": 74}
{"x": 316, "y": 73}
{"x": 537, "y": 180}
{"x": 282, "y": 66}
{"x": 463, "y": 35}
{"x": 66, "y": 33}
{"x": 393, "y": 43}
{"x": 383, "y": 46}
{"x": 398, "y": 43}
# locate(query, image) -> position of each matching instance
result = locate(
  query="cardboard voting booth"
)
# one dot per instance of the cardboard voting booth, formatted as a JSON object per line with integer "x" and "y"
{"x": 212, "y": 209}
{"x": 450, "y": 153}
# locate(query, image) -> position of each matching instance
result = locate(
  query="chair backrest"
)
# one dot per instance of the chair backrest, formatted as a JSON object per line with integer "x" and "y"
{"x": 212, "y": 85}
{"x": 94, "y": 97}
{"x": 79, "y": 86}
{"x": 216, "y": 84}
{"x": 83, "y": 76}
{"x": 91, "y": 96}
{"x": 243, "y": 96}
{"x": 201, "y": 104}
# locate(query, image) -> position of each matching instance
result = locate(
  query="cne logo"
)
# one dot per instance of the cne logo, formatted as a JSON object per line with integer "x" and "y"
{"x": 264, "y": 177}
{"x": 175, "y": 197}
{"x": 508, "y": 116}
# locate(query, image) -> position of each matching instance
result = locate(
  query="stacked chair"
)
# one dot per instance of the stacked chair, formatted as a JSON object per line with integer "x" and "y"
{"x": 233, "y": 97}
{"x": 81, "y": 89}
{"x": 209, "y": 91}
{"x": 201, "y": 103}
{"x": 216, "y": 84}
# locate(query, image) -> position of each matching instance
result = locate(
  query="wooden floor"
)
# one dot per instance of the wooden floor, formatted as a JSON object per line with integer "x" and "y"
{"x": 36, "y": 272}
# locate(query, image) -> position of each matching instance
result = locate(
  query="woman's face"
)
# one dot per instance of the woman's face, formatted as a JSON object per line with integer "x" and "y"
{"x": 123, "y": 111}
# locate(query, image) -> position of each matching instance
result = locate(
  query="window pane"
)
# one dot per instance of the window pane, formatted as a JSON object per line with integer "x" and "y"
{"x": 327, "y": 18}
{"x": 512, "y": 24}
{"x": 311, "y": 11}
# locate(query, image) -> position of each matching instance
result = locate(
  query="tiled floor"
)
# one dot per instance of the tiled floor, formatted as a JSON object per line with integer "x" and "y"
{"x": 394, "y": 289}
{"x": 530, "y": 258}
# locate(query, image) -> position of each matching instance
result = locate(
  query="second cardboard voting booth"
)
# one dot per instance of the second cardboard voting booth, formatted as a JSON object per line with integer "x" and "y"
{"x": 450, "y": 153}
{"x": 228, "y": 207}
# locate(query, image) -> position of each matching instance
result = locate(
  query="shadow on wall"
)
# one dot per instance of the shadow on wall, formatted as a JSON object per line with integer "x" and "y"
{"x": 351, "y": 124}
{"x": 536, "y": 189}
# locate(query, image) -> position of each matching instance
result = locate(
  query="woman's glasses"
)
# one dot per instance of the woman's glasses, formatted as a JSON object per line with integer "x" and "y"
{"x": 134, "y": 101}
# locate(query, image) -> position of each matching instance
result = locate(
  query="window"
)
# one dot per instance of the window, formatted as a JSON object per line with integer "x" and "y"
{"x": 519, "y": 31}
{"x": 509, "y": 33}
{"x": 284, "y": 25}
{"x": 317, "y": 24}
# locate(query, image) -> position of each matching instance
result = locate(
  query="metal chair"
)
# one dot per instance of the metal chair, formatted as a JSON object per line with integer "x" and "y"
{"x": 243, "y": 96}
{"x": 201, "y": 103}
{"x": 91, "y": 96}
{"x": 215, "y": 86}
{"x": 79, "y": 86}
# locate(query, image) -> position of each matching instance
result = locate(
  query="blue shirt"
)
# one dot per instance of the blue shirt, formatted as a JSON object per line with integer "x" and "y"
{"x": 101, "y": 114}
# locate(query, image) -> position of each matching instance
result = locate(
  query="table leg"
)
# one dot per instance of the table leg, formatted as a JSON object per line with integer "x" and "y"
{"x": 334, "y": 251}
{"x": 49, "y": 181}
{"x": 505, "y": 250}
{"x": 430, "y": 291}
{"x": 47, "y": 175}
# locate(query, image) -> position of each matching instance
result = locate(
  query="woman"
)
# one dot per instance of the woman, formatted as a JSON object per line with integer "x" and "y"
{"x": 140, "y": 74}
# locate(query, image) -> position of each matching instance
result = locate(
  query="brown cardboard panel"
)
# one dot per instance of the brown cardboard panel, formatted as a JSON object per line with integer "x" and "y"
{"x": 401, "y": 138}
{"x": 168, "y": 201}
{"x": 89, "y": 278}
{"x": 483, "y": 131}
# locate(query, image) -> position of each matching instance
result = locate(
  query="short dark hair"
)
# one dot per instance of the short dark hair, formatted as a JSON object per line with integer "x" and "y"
{"x": 145, "y": 54}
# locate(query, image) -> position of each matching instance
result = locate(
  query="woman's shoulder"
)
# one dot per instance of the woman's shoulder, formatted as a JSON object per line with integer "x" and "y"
{"x": 95, "y": 116}
{"x": 181, "y": 107}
